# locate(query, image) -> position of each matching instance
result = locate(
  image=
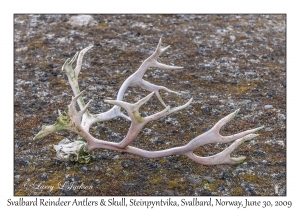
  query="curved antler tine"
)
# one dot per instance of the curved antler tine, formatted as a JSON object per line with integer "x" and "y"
{"x": 124, "y": 116}
{"x": 123, "y": 104}
{"x": 73, "y": 59}
{"x": 74, "y": 99}
{"x": 159, "y": 50}
{"x": 164, "y": 66}
{"x": 66, "y": 62}
{"x": 224, "y": 156}
{"x": 158, "y": 115}
{"x": 225, "y": 120}
{"x": 160, "y": 98}
{"x": 240, "y": 135}
{"x": 143, "y": 100}
{"x": 182, "y": 106}
{"x": 82, "y": 52}
{"x": 72, "y": 105}
{"x": 79, "y": 60}
{"x": 85, "y": 107}
{"x": 159, "y": 43}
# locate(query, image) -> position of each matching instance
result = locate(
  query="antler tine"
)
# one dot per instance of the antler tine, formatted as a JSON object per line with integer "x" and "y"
{"x": 64, "y": 65}
{"x": 225, "y": 120}
{"x": 79, "y": 60}
{"x": 143, "y": 100}
{"x": 74, "y": 58}
{"x": 241, "y": 134}
{"x": 74, "y": 99}
{"x": 123, "y": 104}
{"x": 85, "y": 107}
{"x": 131, "y": 107}
{"x": 164, "y": 66}
{"x": 167, "y": 111}
{"x": 233, "y": 137}
{"x": 224, "y": 156}
{"x": 159, "y": 49}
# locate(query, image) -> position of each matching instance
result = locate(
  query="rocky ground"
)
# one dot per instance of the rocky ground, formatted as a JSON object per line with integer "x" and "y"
{"x": 230, "y": 62}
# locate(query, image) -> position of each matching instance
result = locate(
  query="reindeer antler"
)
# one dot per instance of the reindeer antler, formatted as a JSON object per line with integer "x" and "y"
{"x": 79, "y": 121}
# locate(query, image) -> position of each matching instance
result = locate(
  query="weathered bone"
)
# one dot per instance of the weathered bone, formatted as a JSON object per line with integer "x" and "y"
{"x": 79, "y": 121}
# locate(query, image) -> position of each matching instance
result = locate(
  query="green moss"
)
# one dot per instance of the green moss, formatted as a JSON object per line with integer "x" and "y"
{"x": 35, "y": 44}
{"x": 157, "y": 180}
{"x": 237, "y": 191}
{"x": 249, "y": 177}
{"x": 210, "y": 186}
{"x": 173, "y": 184}
{"x": 20, "y": 193}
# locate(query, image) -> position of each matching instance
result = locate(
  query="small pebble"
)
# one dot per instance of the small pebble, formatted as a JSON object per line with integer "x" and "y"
{"x": 232, "y": 38}
{"x": 268, "y": 106}
{"x": 116, "y": 157}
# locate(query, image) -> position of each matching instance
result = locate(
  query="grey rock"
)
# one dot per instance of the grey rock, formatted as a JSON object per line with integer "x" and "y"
{"x": 157, "y": 140}
{"x": 208, "y": 179}
{"x": 82, "y": 20}
{"x": 249, "y": 188}
{"x": 193, "y": 179}
{"x": 268, "y": 106}
{"x": 116, "y": 157}
{"x": 284, "y": 83}
{"x": 43, "y": 177}
{"x": 224, "y": 176}
{"x": 206, "y": 110}
{"x": 168, "y": 193}
{"x": 232, "y": 38}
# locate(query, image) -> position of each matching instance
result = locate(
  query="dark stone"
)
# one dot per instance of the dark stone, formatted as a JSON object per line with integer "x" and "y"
{"x": 224, "y": 175}
{"x": 187, "y": 84}
{"x": 194, "y": 179}
{"x": 193, "y": 129}
{"x": 43, "y": 177}
{"x": 279, "y": 175}
{"x": 28, "y": 112}
{"x": 19, "y": 143}
{"x": 152, "y": 165}
{"x": 203, "y": 192}
{"x": 158, "y": 140}
{"x": 67, "y": 189}
{"x": 259, "y": 153}
{"x": 84, "y": 169}
{"x": 208, "y": 179}
{"x": 103, "y": 156}
{"x": 40, "y": 142}
{"x": 49, "y": 119}
{"x": 168, "y": 193}
{"x": 127, "y": 163}
{"x": 284, "y": 83}
{"x": 206, "y": 110}
{"x": 55, "y": 73}
{"x": 223, "y": 190}
{"x": 21, "y": 162}
{"x": 249, "y": 188}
